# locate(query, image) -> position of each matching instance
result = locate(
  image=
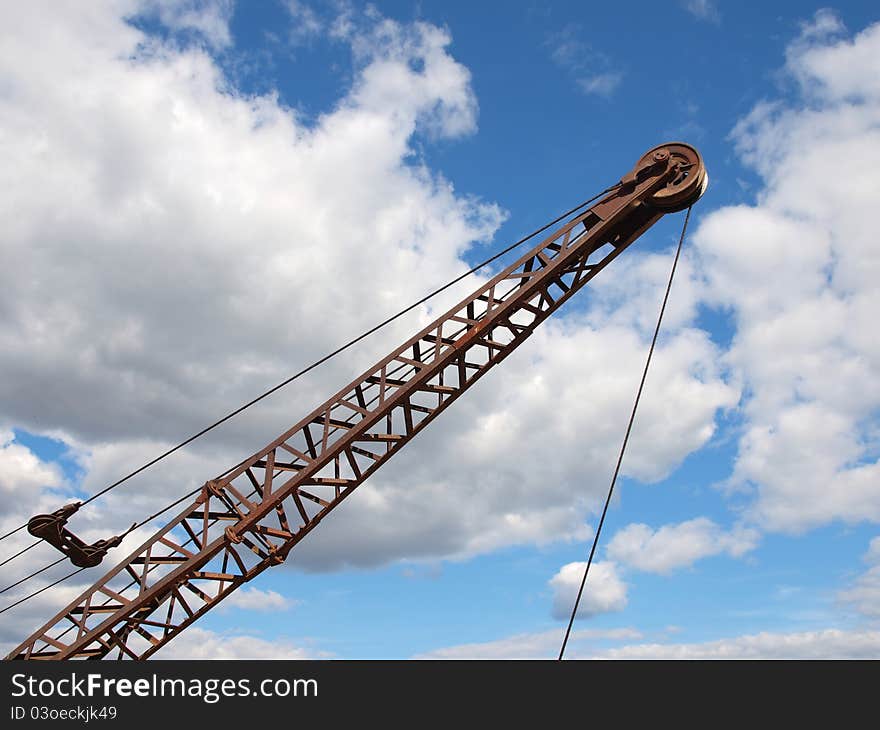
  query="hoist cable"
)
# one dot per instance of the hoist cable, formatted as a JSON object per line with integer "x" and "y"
{"x": 629, "y": 426}
{"x": 21, "y": 552}
{"x": 40, "y": 590}
{"x": 35, "y": 573}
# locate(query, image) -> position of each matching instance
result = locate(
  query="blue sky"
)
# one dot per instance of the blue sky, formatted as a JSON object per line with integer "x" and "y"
{"x": 208, "y": 195}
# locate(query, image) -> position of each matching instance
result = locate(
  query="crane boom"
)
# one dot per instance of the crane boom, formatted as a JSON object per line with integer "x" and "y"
{"x": 247, "y": 521}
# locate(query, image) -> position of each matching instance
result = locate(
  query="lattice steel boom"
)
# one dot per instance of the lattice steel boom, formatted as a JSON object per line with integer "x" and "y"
{"x": 249, "y": 520}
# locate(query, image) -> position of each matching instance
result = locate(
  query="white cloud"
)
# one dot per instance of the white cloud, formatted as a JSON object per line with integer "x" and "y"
{"x": 22, "y": 473}
{"x": 28, "y": 486}
{"x": 539, "y": 645}
{"x": 864, "y": 594}
{"x": 673, "y": 546}
{"x": 832, "y": 67}
{"x": 208, "y": 18}
{"x": 197, "y": 643}
{"x": 703, "y": 10}
{"x": 254, "y": 599}
{"x": 409, "y": 77}
{"x": 604, "y": 592}
{"x": 798, "y": 272}
{"x": 825, "y": 644}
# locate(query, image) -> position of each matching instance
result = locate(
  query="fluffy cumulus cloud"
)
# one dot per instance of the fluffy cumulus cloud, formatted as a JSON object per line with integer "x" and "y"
{"x": 798, "y": 271}
{"x": 606, "y": 590}
{"x": 438, "y": 95}
{"x": 178, "y": 244}
{"x": 28, "y": 485}
{"x": 669, "y": 547}
{"x": 254, "y": 599}
{"x": 22, "y": 472}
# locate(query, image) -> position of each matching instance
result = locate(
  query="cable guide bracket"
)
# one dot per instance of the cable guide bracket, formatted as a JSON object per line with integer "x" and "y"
{"x": 51, "y": 528}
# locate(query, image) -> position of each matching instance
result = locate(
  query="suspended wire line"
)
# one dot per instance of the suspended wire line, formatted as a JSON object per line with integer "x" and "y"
{"x": 277, "y": 387}
{"x": 20, "y": 552}
{"x": 12, "y": 532}
{"x": 629, "y": 426}
{"x": 35, "y": 573}
{"x": 40, "y": 590}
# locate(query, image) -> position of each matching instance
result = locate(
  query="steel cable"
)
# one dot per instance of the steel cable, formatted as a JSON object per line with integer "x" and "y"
{"x": 629, "y": 426}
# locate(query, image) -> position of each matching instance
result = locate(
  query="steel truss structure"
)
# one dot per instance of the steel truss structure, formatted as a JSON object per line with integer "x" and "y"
{"x": 249, "y": 520}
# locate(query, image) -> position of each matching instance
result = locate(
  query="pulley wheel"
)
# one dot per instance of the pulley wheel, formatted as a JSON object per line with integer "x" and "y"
{"x": 690, "y": 180}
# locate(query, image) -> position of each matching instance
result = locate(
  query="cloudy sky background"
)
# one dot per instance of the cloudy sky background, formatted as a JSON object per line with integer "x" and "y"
{"x": 199, "y": 197}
